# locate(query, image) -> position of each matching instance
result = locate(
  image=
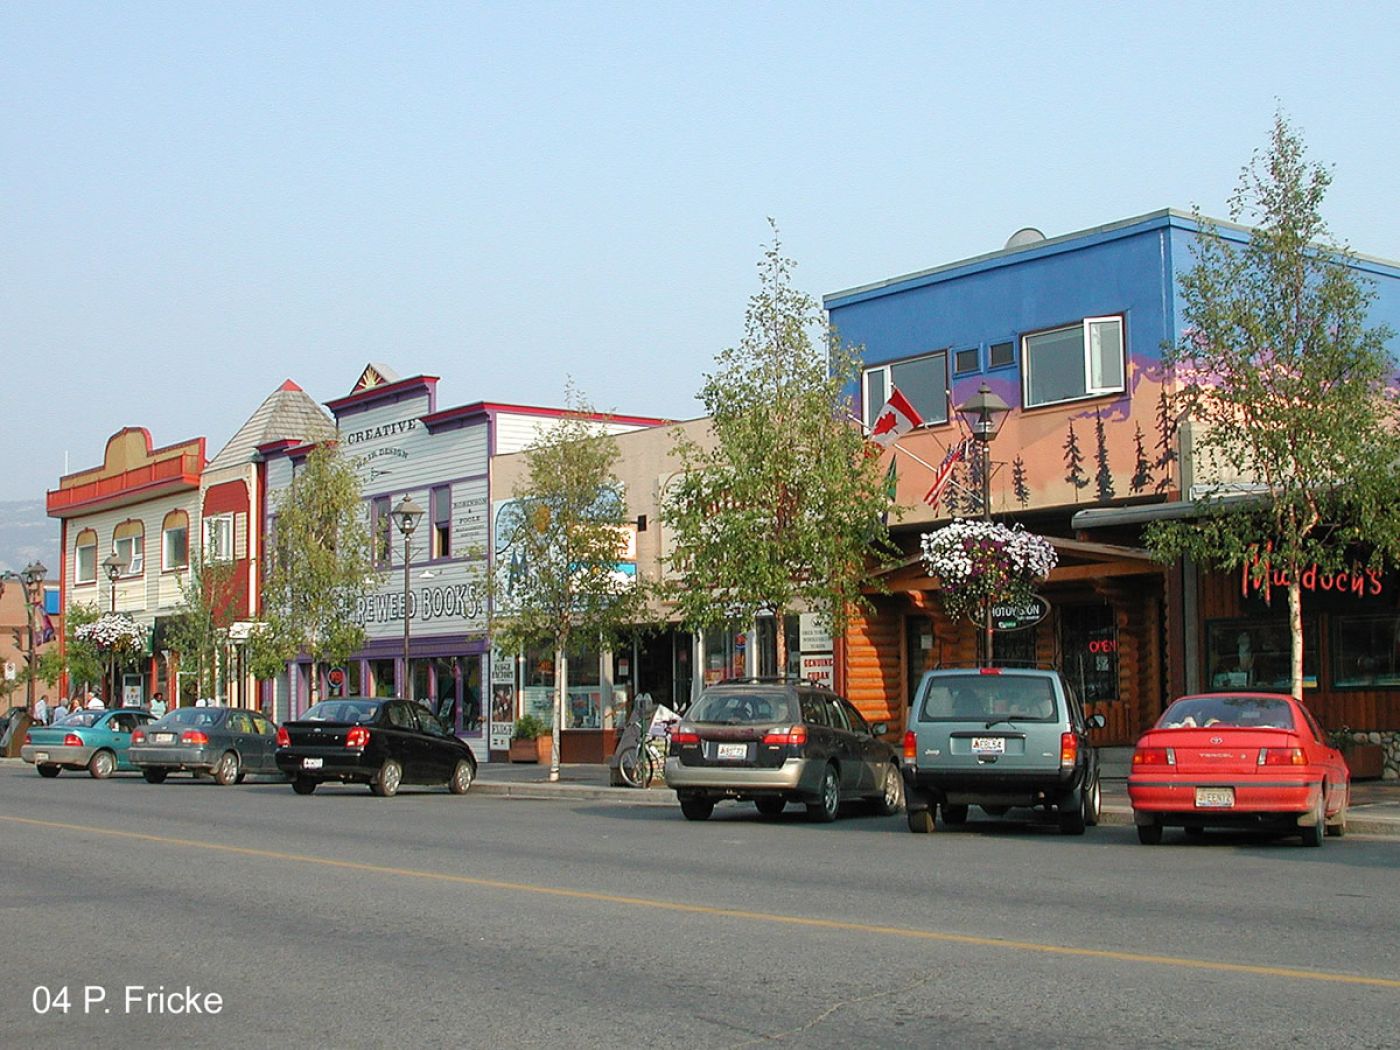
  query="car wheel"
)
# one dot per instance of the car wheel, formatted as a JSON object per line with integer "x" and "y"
{"x": 1337, "y": 826}
{"x": 155, "y": 775}
{"x": 770, "y": 807}
{"x": 1093, "y": 805}
{"x": 49, "y": 771}
{"x": 386, "y": 782}
{"x": 462, "y": 778}
{"x": 892, "y": 798}
{"x": 828, "y": 803}
{"x": 102, "y": 764}
{"x": 920, "y": 821}
{"x": 697, "y": 808}
{"x": 1149, "y": 834}
{"x": 226, "y": 772}
{"x": 1071, "y": 814}
{"x": 303, "y": 785}
{"x": 954, "y": 816}
{"x": 1312, "y": 834}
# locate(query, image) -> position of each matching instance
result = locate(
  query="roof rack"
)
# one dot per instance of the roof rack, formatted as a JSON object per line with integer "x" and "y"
{"x": 768, "y": 679}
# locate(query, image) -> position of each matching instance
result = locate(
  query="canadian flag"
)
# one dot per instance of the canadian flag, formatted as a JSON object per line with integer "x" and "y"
{"x": 895, "y": 418}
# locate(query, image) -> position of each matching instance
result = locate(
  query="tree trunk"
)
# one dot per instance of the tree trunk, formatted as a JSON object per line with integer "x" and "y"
{"x": 1295, "y": 630}
{"x": 780, "y": 642}
{"x": 561, "y": 675}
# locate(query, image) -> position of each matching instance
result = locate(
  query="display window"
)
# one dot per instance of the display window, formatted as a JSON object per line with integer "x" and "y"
{"x": 1256, "y": 654}
{"x": 1365, "y": 652}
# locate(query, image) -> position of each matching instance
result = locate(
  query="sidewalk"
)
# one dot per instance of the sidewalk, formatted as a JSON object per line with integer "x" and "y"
{"x": 1375, "y": 804}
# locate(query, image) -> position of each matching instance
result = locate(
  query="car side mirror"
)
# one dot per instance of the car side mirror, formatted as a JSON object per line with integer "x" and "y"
{"x": 879, "y": 729}
{"x": 1096, "y": 721}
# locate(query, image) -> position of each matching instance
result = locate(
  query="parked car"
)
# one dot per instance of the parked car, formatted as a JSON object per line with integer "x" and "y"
{"x": 382, "y": 742}
{"x": 98, "y": 741}
{"x": 999, "y": 738}
{"x": 226, "y": 743}
{"x": 1238, "y": 760}
{"x": 771, "y": 741}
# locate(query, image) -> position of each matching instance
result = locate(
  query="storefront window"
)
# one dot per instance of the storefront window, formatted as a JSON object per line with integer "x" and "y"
{"x": 457, "y": 693}
{"x": 421, "y": 688}
{"x": 1256, "y": 654}
{"x": 353, "y": 678}
{"x": 382, "y": 675}
{"x": 724, "y": 655}
{"x": 1089, "y": 644}
{"x": 585, "y": 694}
{"x": 1009, "y": 648}
{"x": 1366, "y": 652}
{"x": 537, "y": 685}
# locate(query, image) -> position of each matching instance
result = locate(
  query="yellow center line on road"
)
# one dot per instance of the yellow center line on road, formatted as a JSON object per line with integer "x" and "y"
{"x": 808, "y": 922}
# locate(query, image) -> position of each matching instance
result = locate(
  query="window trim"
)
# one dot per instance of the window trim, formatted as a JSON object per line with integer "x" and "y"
{"x": 131, "y": 534}
{"x": 79, "y": 545}
{"x": 975, "y": 369}
{"x": 1086, "y": 360}
{"x": 440, "y": 522}
{"x": 886, "y": 368}
{"x": 176, "y": 519}
{"x": 992, "y": 366}
{"x": 210, "y": 556}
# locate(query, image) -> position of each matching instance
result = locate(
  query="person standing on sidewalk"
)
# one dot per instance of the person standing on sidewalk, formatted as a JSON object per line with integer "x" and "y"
{"x": 41, "y": 711}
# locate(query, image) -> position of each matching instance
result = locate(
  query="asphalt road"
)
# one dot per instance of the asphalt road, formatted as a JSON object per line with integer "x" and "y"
{"x": 342, "y": 920}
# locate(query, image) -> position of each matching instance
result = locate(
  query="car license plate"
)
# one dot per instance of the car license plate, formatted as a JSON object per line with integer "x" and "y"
{"x": 163, "y": 738}
{"x": 310, "y": 763}
{"x": 41, "y": 756}
{"x": 989, "y": 745}
{"x": 1215, "y": 798}
{"x": 732, "y": 752}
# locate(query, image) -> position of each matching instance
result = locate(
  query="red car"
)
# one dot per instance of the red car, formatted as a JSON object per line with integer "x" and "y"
{"x": 1252, "y": 760}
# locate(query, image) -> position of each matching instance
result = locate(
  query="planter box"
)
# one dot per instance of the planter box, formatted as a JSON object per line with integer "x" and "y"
{"x": 536, "y": 750}
{"x": 1366, "y": 761}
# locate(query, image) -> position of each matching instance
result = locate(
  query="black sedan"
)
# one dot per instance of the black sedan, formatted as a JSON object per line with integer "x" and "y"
{"x": 379, "y": 741}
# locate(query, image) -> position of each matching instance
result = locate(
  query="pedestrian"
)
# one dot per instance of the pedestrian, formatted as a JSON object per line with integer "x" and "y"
{"x": 95, "y": 703}
{"x": 41, "y": 710}
{"x": 158, "y": 704}
{"x": 202, "y": 702}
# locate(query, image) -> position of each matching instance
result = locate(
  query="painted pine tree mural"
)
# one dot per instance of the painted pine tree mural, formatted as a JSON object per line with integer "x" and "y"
{"x": 1018, "y": 481}
{"x": 1074, "y": 463}
{"x": 1142, "y": 469}
{"x": 1103, "y": 475}
{"x": 1166, "y": 441}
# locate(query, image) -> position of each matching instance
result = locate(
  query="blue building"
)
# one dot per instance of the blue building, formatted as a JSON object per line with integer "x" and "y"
{"x": 1069, "y": 332}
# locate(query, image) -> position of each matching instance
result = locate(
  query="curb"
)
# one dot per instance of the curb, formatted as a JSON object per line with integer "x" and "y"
{"x": 576, "y": 793}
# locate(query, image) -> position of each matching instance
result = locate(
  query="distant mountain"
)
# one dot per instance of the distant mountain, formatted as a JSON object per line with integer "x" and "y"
{"x": 27, "y": 533}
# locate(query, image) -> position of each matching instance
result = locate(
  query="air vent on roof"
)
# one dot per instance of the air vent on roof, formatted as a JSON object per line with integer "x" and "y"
{"x": 1024, "y": 236}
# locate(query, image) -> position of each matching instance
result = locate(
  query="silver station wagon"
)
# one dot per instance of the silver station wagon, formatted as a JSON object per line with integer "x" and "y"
{"x": 771, "y": 741}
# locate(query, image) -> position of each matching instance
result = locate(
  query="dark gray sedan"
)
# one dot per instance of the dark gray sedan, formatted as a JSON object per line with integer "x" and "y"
{"x": 225, "y": 742}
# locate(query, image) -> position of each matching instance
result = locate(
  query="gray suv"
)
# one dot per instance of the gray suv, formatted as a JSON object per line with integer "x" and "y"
{"x": 999, "y": 738}
{"x": 771, "y": 741}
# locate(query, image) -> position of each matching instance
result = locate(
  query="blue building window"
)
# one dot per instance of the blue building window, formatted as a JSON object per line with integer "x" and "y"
{"x": 922, "y": 380}
{"x": 1077, "y": 361}
{"x": 965, "y": 362}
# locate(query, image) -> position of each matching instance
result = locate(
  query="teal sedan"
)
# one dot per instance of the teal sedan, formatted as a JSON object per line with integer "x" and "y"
{"x": 98, "y": 741}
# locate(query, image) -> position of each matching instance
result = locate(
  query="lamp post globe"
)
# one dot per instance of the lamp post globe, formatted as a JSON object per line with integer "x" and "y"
{"x": 984, "y": 413}
{"x": 406, "y": 517}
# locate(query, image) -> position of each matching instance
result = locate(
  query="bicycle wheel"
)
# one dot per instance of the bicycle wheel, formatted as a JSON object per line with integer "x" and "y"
{"x": 631, "y": 765}
{"x": 646, "y": 767}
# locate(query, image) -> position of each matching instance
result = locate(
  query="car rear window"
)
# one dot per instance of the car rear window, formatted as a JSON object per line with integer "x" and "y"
{"x": 1244, "y": 712}
{"x": 742, "y": 707}
{"x": 347, "y": 711}
{"x": 985, "y": 698}
{"x": 192, "y": 716}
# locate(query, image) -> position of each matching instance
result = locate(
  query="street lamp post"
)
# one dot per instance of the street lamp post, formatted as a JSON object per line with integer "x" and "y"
{"x": 406, "y": 516}
{"x": 113, "y": 565}
{"x": 984, "y": 414}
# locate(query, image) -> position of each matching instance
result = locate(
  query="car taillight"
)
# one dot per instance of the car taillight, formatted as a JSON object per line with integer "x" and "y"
{"x": 1154, "y": 756}
{"x": 28, "y": 739}
{"x": 72, "y": 740}
{"x": 138, "y": 736}
{"x": 357, "y": 737}
{"x": 990, "y": 670}
{"x": 1282, "y": 756}
{"x": 1069, "y": 749}
{"x": 911, "y": 746}
{"x": 685, "y": 736}
{"x": 793, "y": 736}
{"x": 284, "y": 738}
{"x": 194, "y": 736}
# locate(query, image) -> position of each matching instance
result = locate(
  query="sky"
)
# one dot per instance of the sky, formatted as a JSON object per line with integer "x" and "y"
{"x": 199, "y": 201}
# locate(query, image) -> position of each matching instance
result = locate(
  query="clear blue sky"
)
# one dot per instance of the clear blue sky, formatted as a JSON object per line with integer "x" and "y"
{"x": 200, "y": 201}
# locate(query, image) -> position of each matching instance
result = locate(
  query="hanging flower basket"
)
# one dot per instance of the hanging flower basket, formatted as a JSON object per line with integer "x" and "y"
{"x": 115, "y": 634}
{"x": 980, "y": 561}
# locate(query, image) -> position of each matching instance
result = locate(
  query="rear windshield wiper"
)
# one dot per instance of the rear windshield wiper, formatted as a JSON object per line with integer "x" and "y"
{"x": 998, "y": 721}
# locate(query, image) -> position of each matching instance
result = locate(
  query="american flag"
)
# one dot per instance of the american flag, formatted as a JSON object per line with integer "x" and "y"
{"x": 945, "y": 472}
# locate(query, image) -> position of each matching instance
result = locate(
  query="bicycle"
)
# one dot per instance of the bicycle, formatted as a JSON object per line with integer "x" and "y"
{"x": 640, "y": 763}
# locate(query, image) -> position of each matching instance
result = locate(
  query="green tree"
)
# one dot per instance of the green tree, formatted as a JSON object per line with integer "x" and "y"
{"x": 318, "y": 569}
{"x": 1286, "y": 389}
{"x": 785, "y": 508}
{"x": 199, "y": 632}
{"x": 558, "y": 580}
{"x": 79, "y": 660}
